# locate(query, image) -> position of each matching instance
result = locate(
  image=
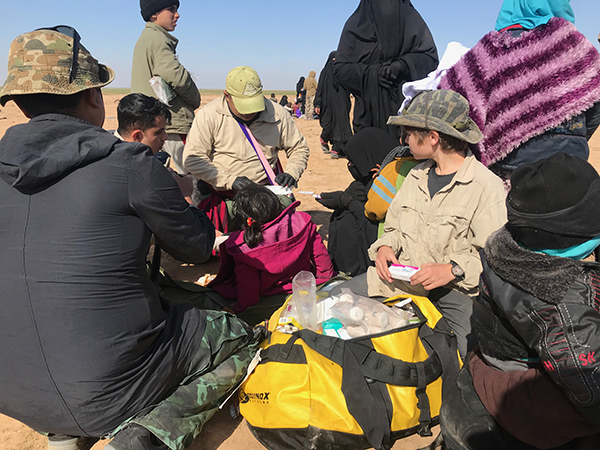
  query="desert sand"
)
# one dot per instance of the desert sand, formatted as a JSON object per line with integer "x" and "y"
{"x": 322, "y": 175}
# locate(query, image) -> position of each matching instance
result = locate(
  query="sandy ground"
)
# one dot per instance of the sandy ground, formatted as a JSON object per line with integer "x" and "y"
{"x": 323, "y": 174}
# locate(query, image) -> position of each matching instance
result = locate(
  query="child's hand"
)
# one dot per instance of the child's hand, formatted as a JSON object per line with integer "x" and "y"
{"x": 375, "y": 170}
{"x": 432, "y": 275}
{"x": 385, "y": 256}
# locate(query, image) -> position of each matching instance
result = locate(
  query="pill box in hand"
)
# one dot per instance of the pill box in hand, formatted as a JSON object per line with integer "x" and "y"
{"x": 400, "y": 272}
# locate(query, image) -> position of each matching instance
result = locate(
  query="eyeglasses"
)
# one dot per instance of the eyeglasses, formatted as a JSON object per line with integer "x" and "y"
{"x": 72, "y": 33}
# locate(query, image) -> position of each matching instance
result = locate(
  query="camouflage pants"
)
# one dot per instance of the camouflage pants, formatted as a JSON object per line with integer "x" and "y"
{"x": 178, "y": 419}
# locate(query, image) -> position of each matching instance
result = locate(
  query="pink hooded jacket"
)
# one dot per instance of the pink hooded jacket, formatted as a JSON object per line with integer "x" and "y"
{"x": 291, "y": 244}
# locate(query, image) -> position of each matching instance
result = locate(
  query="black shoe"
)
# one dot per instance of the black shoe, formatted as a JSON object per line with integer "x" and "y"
{"x": 64, "y": 442}
{"x": 135, "y": 437}
{"x": 325, "y": 147}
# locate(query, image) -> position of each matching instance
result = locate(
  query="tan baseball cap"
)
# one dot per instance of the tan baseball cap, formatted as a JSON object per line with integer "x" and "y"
{"x": 40, "y": 62}
{"x": 245, "y": 88}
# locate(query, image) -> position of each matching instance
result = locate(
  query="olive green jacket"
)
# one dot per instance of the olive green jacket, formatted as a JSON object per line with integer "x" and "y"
{"x": 154, "y": 54}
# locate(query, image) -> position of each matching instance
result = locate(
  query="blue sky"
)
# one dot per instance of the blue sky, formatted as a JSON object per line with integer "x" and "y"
{"x": 281, "y": 39}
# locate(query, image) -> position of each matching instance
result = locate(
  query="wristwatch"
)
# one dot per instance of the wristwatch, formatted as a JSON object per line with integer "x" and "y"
{"x": 457, "y": 271}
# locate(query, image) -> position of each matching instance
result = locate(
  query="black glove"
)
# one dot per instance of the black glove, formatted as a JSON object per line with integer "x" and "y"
{"x": 335, "y": 200}
{"x": 241, "y": 183}
{"x": 285, "y": 179}
{"x": 396, "y": 69}
{"x": 381, "y": 76}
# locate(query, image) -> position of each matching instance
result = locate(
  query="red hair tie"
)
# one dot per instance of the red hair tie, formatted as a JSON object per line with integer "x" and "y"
{"x": 250, "y": 221}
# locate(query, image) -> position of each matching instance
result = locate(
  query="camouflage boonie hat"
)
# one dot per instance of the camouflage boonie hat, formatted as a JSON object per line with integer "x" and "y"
{"x": 39, "y": 63}
{"x": 442, "y": 110}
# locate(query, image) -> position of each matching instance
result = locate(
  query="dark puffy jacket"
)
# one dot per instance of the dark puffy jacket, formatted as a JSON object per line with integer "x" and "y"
{"x": 538, "y": 308}
{"x": 84, "y": 341}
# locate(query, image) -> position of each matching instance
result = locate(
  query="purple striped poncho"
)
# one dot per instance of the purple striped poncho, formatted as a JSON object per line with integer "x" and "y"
{"x": 519, "y": 87}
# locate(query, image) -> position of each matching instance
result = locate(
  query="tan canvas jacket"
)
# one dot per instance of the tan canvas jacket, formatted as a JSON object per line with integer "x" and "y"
{"x": 218, "y": 152}
{"x": 310, "y": 84}
{"x": 154, "y": 54}
{"x": 451, "y": 226}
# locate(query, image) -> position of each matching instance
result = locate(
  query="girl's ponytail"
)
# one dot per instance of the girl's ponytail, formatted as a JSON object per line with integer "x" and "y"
{"x": 255, "y": 206}
{"x": 253, "y": 235}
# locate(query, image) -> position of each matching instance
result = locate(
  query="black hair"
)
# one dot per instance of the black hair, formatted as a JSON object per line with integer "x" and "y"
{"x": 34, "y": 105}
{"x": 139, "y": 112}
{"x": 257, "y": 205}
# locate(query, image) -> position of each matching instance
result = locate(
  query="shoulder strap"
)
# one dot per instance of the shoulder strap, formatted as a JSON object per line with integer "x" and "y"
{"x": 261, "y": 155}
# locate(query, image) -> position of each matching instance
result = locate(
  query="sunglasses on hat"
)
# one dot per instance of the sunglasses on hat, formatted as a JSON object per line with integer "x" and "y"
{"x": 72, "y": 33}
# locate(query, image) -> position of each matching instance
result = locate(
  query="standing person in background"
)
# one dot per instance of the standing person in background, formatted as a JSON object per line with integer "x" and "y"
{"x": 154, "y": 55}
{"x": 301, "y": 93}
{"x": 536, "y": 87}
{"x": 383, "y": 44}
{"x": 332, "y": 104}
{"x": 310, "y": 86}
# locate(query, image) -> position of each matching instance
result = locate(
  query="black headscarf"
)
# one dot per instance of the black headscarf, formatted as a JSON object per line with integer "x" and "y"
{"x": 366, "y": 149}
{"x": 334, "y": 102}
{"x": 379, "y": 32}
{"x": 300, "y": 85}
{"x": 283, "y": 101}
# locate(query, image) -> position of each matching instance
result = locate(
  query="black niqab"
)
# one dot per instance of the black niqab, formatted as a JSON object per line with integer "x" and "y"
{"x": 368, "y": 148}
{"x": 379, "y": 32}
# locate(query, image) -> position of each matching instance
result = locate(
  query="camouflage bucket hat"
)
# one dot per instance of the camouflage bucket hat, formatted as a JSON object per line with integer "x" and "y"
{"x": 442, "y": 110}
{"x": 40, "y": 62}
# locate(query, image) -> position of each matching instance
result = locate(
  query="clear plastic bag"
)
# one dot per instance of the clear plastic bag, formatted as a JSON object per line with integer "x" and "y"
{"x": 362, "y": 316}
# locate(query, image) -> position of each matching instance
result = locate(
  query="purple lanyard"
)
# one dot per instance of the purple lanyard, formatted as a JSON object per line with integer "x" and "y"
{"x": 261, "y": 155}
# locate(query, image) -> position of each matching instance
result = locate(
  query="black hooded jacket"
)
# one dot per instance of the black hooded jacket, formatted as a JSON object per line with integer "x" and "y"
{"x": 84, "y": 341}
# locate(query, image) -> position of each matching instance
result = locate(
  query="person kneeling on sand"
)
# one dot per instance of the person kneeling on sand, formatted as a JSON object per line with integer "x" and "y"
{"x": 442, "y": 215}
{"x": 87, "y": 348}
{"x": 235, "y": 141}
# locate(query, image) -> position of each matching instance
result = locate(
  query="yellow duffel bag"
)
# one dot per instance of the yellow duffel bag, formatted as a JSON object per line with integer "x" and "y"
{"x": 312, "y": 391}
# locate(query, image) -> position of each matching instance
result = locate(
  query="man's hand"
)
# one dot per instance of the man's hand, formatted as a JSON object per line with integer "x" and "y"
{"x": 385, "y": 256}
{"x": 285, "y": 179}
{"x": 240, "y": 183}
{"x": 432, "y": 275}
{"x": 185, "y": 183}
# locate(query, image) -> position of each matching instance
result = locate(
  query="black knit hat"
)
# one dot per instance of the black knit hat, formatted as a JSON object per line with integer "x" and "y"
{"x": 554, "y": 203}
{"x": 149, "y": 7}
